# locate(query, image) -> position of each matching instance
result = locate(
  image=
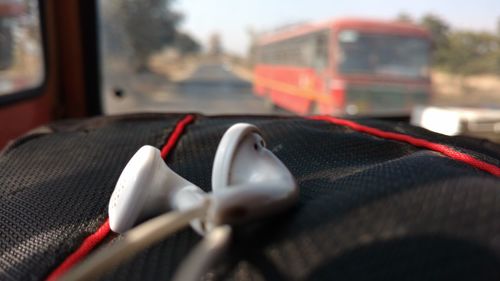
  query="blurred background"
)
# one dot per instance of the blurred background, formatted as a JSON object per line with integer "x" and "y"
{"x": 435, "y": 63}
{"x": 21, "y": 60}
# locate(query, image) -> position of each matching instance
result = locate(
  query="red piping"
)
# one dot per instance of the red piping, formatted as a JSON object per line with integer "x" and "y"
{"x": 443, "y": 149}
{"x": 175, "y": 135}
{"x": 102, "y": 232}
{"x": 94, "y": 239}
{"x": 88, "y": 244}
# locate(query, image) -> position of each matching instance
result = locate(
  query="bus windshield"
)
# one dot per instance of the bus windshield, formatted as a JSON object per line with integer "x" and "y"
{"x": 383, "y": 55}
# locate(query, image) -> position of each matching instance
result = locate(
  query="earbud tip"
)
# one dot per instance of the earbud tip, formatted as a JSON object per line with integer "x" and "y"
{"x": 225, "y": 153}
{"x": 128, "y": 197}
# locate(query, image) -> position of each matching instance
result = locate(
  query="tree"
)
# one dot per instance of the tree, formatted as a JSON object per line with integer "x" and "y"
{"x": 253, "y": 37}
{"x": 404, "y": 17}
{"x": 150, "y": 25}
{"x": 215, "y": 45}
{"x": 439, "y": 31}
{"x": 472, "y": 53}
{"x": 438, "y": 28}
{"x": 185, "y": 44}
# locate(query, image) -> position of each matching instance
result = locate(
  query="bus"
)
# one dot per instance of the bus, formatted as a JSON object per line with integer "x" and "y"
{"x": 345, "y": 67}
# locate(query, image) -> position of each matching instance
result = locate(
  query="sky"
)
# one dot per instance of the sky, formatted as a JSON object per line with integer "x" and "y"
{"x": 232, "y": 18}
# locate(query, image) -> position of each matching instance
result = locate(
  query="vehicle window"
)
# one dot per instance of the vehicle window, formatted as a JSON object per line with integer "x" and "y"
{"x": 255, "y": 57}
{"x": 21, "y": 52}
{"x": 380, "y": 54}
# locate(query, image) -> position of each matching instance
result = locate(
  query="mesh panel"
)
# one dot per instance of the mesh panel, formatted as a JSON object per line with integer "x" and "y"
{"x": 55, "y": 189}
{"x": 369, "y": 209}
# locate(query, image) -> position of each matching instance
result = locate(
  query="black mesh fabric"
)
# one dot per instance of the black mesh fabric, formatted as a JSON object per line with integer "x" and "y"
{"x": 54, "y": 188}
{"x": 369, "y": 208}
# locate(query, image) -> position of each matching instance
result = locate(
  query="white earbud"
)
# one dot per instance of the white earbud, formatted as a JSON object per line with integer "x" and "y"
{"x": 148, "y": 187}
{"x": 248, "y": 180}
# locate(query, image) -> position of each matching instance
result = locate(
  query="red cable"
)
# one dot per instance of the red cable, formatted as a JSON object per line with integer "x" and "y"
{"x": 94, "y": 239}
{"x": 88, "y": 244}
{"x": 443, "y": 149}
{"x": 176, "y": 134}
{"x": 97, "y": 237}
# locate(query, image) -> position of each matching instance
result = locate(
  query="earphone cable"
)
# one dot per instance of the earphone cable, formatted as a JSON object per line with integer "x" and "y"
{"x": 135, "y": 240}
{"x": 205, "y": 255}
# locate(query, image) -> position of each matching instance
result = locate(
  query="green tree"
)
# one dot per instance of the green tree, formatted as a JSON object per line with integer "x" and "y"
{"x": 439, "y": 31}
{"x": 463, "y": 52}
{"x": 215, "y": 45}
{"x": 404, "y": 17}
{"x": 150, "y": 25}
{"x": 186, "y": 44}
{"x": 471, "y": 53}
{"x": 252, "y": 50}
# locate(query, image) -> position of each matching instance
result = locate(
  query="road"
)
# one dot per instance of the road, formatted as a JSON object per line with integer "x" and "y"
{"x": 211, "y": 89}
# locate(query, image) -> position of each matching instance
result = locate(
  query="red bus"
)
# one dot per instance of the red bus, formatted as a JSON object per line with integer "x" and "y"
{"x": 345, "y": 67}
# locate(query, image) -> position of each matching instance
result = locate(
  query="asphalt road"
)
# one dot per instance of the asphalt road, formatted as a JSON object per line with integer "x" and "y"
{"x": 211, "y": 89}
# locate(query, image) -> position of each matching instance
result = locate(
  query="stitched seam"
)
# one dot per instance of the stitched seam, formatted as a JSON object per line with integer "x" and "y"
{"x": 102, "y": 232}
{"x": 419, "y": 142}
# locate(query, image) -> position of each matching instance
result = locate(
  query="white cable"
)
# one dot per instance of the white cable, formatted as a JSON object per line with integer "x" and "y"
{"x": 206, "y": 253}
{"x": 135, "y": 240}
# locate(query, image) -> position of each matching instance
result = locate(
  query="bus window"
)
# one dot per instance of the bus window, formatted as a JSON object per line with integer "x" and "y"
{"x": 383, "y": 54}
{"x": 21, "y": 54}
{"x": 321, "y": 51}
